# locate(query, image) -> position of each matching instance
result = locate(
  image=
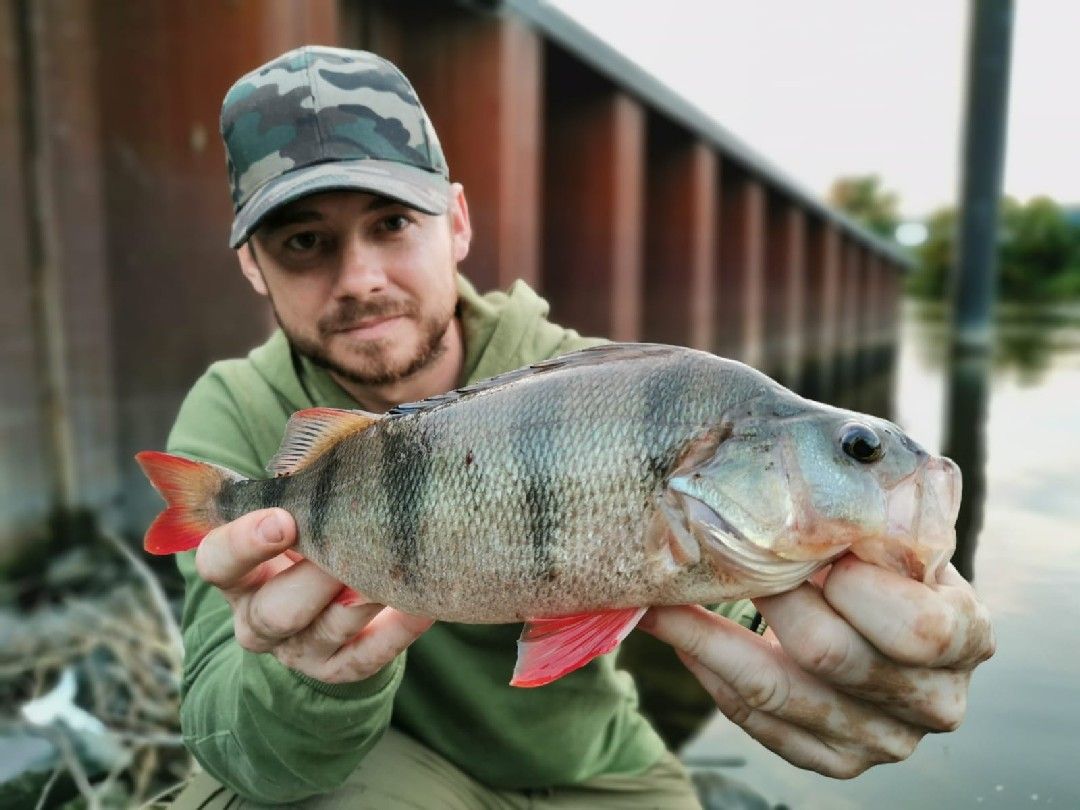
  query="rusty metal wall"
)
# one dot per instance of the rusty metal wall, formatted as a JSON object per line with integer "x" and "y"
{"x": 72, "y": 268}
{"x": 634, "y": 219}
{"x": 179, "y": 301}
{"x": 480, "y": 79}
{"x": 26, "y": 489}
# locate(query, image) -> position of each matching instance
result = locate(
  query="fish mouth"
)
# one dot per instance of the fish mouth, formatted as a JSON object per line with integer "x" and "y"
{"x": 921, "y": 512}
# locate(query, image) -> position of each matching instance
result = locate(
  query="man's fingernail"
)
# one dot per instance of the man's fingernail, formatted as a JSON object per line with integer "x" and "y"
{"x": 647, "y": 621}
{"x": 269, "y": 530}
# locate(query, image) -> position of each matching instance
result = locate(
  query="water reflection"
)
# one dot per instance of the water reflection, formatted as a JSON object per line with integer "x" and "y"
{"x": 1026, "y": 337}
{"x": 670, "y": 696}
{"x": 1012, "y": 427}
{"x": 1026, "y": 349}
{"x": 965, "y": 443}
{"x": 1026, "y": 341}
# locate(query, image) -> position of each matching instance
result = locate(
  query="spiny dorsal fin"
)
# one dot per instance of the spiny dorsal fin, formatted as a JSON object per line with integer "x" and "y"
{"x": 593, "y": 355}
{"x": 313, "y": 431}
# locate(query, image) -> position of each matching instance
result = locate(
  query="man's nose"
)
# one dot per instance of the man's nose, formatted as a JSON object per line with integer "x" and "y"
{"x": 362, "y": 271}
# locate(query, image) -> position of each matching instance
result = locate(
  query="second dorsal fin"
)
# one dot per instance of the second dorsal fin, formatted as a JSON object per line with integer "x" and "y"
{"x": 313, "y": 431}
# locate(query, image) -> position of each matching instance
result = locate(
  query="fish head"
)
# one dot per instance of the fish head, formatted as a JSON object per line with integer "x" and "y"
{"x": 788, "y": 485}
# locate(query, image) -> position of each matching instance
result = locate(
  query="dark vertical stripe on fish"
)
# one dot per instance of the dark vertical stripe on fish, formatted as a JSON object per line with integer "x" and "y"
{"x": 240, "y": 497}
{"x": 406, "y": 466}
{"x": 272, "y": 491}
{"x": 319, "y": 506}
{"x": 534, "y": 451}
{"x": 541, "y": 504}
{"x": 228, "y": 502}
{"x": 664, "y": 387}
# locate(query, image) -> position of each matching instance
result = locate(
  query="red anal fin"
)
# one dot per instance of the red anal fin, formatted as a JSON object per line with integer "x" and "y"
{"x": 551, "y": 648}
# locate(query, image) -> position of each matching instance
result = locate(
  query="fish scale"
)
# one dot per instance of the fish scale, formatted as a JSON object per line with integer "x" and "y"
{"x": 553, "y": 506}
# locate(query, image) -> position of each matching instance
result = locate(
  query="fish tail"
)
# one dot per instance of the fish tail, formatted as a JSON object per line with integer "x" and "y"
{"x": 190, "y": 489}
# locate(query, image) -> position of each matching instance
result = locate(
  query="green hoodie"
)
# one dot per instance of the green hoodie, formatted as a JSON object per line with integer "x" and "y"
{"x": 274, "y": 735}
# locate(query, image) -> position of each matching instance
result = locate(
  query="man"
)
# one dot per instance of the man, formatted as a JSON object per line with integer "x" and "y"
{"x": 346, "y": 220}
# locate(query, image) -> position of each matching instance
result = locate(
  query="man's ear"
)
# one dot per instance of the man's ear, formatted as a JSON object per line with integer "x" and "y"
{"x": 245, "y": 254}
{"x": 460, "y": 227}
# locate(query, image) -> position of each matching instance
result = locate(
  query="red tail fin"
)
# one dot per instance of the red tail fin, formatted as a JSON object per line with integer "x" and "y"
{"x": 189, "y": 488}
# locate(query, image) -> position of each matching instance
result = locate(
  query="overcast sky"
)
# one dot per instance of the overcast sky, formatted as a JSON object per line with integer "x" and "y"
{"x": 839, "y": 87}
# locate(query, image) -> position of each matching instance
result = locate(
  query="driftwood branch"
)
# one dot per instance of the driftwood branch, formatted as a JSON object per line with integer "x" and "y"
{"x": 153, "y": 588}
{"x": 47, "y": 789}
{"x": 75, "y": 768}
{"x": 118, "y": 634}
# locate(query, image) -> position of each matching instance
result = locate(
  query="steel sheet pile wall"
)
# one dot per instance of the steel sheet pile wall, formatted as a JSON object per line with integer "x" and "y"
{"x": 681, "y": 206}
{"x": 26, "y": 489}
{"x": 178, "y": 299}
{"x": 634, "y": 215}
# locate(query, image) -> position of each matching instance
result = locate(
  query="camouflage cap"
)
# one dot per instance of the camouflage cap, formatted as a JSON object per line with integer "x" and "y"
{"x": 322, "y": 119}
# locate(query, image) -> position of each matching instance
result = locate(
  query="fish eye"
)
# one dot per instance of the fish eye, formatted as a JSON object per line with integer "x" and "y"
{"x": 861, "y": 443}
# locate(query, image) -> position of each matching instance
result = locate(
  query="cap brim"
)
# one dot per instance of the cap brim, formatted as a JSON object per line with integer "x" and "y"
{"x": 417, "y": 188}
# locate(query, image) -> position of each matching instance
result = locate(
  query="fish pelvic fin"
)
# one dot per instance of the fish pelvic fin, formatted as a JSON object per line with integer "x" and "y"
{"x": 551, "y": 648}
{"x": 313, "y": 431}
{"x": 190, "y": 489}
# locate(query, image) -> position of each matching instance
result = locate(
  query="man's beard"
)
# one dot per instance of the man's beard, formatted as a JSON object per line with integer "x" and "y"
{"x": 376, "y": 367}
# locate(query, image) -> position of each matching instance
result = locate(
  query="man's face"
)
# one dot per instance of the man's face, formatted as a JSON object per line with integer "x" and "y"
{"x": 361, "y": 285}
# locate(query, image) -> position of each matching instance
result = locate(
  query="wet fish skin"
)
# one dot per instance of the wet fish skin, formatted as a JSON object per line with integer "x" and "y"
{"x": 528, "y": 498}
{"x": 554, "y": 491}
{"x": 576, "y": 493}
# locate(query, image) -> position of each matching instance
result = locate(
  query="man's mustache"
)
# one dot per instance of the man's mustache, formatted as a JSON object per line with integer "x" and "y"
{"x": 351, "y": 312}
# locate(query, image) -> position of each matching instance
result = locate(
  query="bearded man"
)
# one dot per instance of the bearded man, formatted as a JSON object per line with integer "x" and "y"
{"x": 347, "y": 222}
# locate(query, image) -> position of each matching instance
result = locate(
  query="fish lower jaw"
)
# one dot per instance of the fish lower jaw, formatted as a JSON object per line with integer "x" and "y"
{"x": 919, "y": 558}
{"x": 818, "y": 538}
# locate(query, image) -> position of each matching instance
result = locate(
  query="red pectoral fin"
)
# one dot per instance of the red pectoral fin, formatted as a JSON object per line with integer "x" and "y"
{"x": 550, "y": 648}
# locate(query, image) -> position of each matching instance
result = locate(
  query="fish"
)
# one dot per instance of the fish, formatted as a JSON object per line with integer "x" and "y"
{"x": 575, "y": 493}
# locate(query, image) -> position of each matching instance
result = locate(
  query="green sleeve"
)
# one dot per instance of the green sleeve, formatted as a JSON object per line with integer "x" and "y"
{"x": 269, "y": 733}
{"x": 743, "y": 612}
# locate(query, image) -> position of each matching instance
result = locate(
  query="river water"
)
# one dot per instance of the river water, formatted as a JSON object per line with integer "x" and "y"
{"x": 1020, "y": 743}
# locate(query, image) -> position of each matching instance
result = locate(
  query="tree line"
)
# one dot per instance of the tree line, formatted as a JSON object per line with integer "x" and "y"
{"x": 1038, "y": 242}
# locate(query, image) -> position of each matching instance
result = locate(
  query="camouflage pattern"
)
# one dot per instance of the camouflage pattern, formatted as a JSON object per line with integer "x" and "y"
{"x": 320, "y": 119}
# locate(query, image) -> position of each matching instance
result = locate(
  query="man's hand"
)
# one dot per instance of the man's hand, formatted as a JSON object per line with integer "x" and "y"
{"x": 857, "y": 672}
{"x": 287, "y": 608}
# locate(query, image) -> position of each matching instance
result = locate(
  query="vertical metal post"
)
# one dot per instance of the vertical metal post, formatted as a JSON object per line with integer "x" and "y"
{"x": 973, "y": 288}
{"x": 965, "y": 431}
{"x": 42, "y": 243}
{"x": 984, "y": 157}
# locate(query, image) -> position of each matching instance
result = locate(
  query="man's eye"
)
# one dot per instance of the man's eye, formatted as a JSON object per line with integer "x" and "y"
{"x": 308, "y": 240}
{"x": 395, "y": 223}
